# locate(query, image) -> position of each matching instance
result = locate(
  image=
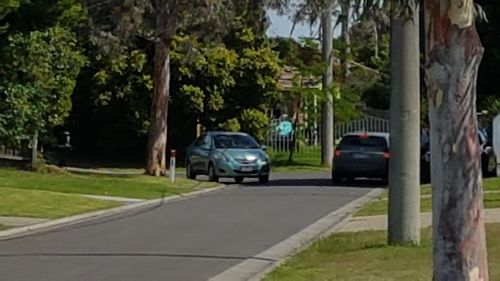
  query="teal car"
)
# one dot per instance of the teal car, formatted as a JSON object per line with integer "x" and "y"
{"x": 227, "y": 155}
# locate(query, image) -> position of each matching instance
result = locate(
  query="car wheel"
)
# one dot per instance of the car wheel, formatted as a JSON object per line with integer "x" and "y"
{"x": 189, "y": 172}
{"x": 490, "y": 167}
{"x": 336, "y": 178}
{"x": 264, "y": 179}
{"x": 239, "y": 179}
{"x": 211, "y": 174}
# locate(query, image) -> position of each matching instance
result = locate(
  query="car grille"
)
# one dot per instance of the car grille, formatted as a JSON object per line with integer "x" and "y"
{"x": 245, "y": 161}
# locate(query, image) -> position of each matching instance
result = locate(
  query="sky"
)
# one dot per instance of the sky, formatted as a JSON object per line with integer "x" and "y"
{"x": 281, "y": 27}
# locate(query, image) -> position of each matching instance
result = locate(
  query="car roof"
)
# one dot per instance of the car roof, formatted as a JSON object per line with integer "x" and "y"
{"x": 370, "y": 134}
{"x": 215, "y": 133}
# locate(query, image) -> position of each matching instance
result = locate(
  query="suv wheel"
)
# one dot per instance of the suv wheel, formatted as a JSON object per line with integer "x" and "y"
{"x": 211, "y": 174}
{"x": 189, "y": 172}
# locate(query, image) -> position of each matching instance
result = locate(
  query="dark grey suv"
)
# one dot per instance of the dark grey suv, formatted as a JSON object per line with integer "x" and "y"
{"x": 361, "y": 155}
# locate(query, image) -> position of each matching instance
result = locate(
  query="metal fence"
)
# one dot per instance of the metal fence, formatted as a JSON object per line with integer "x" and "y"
{"x": 305, "y": 139}
{"x": 20, "y": 152}
{"x": 368, "y": 124}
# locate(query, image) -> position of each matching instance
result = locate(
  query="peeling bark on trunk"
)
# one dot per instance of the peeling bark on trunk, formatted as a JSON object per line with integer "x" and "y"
{"x": 157, "y": 140}
{"x": 454, "y": 52}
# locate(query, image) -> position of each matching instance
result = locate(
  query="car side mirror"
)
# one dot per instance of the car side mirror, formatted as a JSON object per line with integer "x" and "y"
{"x": 263, "y": 147}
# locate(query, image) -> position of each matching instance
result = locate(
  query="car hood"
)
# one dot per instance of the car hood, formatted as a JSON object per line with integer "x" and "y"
{"x": 243, "y": 153}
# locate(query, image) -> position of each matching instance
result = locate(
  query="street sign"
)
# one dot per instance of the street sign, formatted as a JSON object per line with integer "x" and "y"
{"x": 285, "y": 128}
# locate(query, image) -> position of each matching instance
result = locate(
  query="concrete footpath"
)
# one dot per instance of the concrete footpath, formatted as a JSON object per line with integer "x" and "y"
{"x": 380, "y": 222}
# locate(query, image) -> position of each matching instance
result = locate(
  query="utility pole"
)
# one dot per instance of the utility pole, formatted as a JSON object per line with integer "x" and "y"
{"x": 327, "y": 134}
{"x": 404, "y": 165}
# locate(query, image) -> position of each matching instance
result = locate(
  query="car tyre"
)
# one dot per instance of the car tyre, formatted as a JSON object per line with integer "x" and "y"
{"x": 190, "y": 174}
{"x": 211, "y": 174}
{"x": 488, "y": 165}
{"x": 336, "y": 178}
{"x": 264, "y": 179}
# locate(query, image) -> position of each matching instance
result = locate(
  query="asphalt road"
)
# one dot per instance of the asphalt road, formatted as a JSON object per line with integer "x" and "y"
{"x": 187, "y": 240}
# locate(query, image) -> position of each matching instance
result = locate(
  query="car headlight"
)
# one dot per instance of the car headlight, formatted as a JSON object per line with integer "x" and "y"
{"x": 264, "y": 158}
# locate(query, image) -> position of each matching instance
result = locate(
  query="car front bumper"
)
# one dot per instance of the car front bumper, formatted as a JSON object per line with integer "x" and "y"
{"x": 233, "y": 170}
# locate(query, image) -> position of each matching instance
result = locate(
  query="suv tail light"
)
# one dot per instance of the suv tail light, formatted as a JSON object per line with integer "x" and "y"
{"x": 337, "y": 152}
{"x": 387, "y": 155}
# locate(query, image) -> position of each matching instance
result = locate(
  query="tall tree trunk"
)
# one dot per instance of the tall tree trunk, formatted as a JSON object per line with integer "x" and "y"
{"x": 377, "y": 39}
{"x": 327, "y": 136}
{"x": 454, "y": 52}
{"x": 404, "y": 166}
{"x": 157, "y": 140}
{"x": 346, "y": 38}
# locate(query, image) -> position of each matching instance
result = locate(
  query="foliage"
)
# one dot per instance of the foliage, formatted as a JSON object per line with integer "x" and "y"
{"x": 255, "y": 123}
{"x": 231, "y": 125}
{"x": 6, "y": 7}
{"x": 215, "y": 84}
{"x": 38, "y": 78}
{"x": 487, "y": 85}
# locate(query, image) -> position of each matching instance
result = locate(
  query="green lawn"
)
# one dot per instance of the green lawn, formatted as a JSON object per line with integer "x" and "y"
{"x": 308, "y": 160}
{"x": 45, "y": 204}
{"x": 365, "y": 256}
{"x": 142, "y": 187}
{"x": 379, "y": 207}
{"x": 489, "y": 184}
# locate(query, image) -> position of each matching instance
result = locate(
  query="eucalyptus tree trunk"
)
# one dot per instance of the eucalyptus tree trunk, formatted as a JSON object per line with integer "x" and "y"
{"x": 327, "y": 136}
{"x": 454, "y": 53}
{"x": 346, "y": 37}
{"x": 404, "y": 165}
{"x": 157, "y": 135}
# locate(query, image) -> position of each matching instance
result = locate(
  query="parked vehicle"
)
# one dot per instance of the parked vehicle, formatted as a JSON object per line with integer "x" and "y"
{"x": 361, "y": 155}
{"x": 488, "y": 159}
{"x": 227, "y": 155}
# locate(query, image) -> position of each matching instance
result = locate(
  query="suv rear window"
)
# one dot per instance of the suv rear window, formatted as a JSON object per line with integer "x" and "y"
{"x": 369, "y": 141}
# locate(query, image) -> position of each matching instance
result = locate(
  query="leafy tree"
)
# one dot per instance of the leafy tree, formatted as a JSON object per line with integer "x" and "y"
{"x": 38, "y": 77}
{"x": 7, "y": 7}
{"x": 254, "y": 122}
{"x": 487, "y": 76}
{"x": 214, "y": 84}
{"x": 193, "y": 17}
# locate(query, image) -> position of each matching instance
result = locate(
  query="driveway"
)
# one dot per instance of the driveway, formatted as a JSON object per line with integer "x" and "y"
{"x": 186, "y": 240}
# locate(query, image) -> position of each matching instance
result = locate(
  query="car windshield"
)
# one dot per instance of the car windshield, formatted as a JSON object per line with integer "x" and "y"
{"x": 364, "y": 141}
{"x": 235, "y": 141}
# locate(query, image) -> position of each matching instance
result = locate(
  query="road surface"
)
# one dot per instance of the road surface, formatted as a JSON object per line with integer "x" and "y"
{"x": 186, "y": 240}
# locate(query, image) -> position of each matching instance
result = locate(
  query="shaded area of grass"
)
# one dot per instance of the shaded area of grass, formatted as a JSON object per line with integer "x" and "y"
{"x": 3, "y": 227}
{"x": 45, "y": 204}
{"x": 380, "y": 207}
{"x": 142, "y": 187}
{"x": 365, "y": 256}
{"x": 306, "y": 160}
